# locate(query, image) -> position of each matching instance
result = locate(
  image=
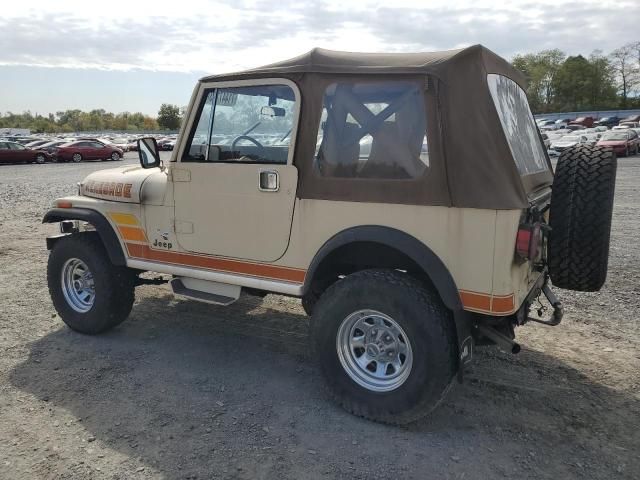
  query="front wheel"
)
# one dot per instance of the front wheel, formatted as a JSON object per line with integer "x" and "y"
{"x": 386, "y": 345}
{"x": 90, "y": 294}
{"x": 40, "y": 158}
{"x": 77, "y": 158}
{"x": 115, "y": 156}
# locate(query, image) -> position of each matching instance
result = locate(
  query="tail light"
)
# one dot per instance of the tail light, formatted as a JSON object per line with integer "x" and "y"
{"x": 529, "y": 241}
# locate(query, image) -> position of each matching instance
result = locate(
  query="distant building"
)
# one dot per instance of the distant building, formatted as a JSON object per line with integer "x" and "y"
{"x": 15, "y": 131}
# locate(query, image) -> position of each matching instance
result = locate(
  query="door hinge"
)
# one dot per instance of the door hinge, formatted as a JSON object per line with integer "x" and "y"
{"x": 183, "y": 227}
{"x": 180, "y": 175}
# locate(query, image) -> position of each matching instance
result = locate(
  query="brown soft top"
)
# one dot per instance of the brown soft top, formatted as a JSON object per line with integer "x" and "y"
{"x": 471, "y": 164}
{"x": 320, "y": 60}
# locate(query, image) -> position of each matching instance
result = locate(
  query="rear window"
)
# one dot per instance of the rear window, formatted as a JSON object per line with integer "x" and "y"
{"x": 518, "y": 124}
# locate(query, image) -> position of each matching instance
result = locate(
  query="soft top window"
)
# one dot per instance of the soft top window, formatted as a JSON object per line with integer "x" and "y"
{"x": 373, "y": 130}
{"x": 518, "y": 124}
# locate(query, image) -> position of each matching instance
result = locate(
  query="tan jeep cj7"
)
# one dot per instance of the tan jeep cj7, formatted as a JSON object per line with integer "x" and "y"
{"x": 407, "y": 199}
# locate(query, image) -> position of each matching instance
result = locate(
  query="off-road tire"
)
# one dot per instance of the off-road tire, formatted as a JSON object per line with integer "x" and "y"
{"x": 429, "y": 327}
{"x": 580, "y": 218}
{"x": 114, "y": 285}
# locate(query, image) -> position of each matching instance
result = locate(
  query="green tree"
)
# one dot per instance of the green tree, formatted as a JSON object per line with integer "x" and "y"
{"x": 169, "y": 116}
{"x": 540, "y": 70}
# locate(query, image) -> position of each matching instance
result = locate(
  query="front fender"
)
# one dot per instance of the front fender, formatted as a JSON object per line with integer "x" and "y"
{"x": 99, "y": 222}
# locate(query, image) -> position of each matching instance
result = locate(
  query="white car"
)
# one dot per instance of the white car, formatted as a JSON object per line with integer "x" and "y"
{"x": 567, "y": 141}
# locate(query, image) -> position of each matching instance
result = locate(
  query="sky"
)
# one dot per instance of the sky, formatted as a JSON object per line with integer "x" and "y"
{"x": 126, "y": 55}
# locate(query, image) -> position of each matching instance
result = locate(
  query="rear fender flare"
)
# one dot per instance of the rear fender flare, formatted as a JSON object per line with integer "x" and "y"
{"x": 417, "y": 251}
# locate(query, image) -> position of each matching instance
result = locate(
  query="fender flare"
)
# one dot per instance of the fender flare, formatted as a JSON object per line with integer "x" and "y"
{"x": 417, "y": 251}
{"x": 103, "y": 227}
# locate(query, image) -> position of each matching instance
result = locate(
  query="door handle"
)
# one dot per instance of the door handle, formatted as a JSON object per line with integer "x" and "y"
{"x": 269, "y": 181}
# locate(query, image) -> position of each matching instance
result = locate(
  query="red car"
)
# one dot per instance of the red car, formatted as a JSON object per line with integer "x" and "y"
{"x": 12, "y": 152}
{"x": 87, "y": 150}
{"x": 623, "y": 142}
{"x": 584, "y": 121}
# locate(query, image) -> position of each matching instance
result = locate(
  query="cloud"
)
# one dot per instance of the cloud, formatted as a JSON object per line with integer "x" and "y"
{"x": 202, "y": 35}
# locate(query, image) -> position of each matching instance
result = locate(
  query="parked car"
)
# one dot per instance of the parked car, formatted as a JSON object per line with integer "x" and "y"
{"x": 50, "y": 146}
{"x": 120, "y": 142}
{"x": 13, "y": 152}
{"x": 546, "y": 140}
{"x": 601, "y": 128}
{"x": 36, "y": 143}
{"x": 631, "y": 118}
{"x": 568, "y": 141}
{"x": 132, "y": 146}
{"x": 592, "y": 138}
{"x": 623, "y": 142}
{"x": 607, "y": 122}
{"x": 629, "y": 124}
{"x": 584, "y": 121}
{"x": 87, "y": 150}
{"x": 575, "y": 126}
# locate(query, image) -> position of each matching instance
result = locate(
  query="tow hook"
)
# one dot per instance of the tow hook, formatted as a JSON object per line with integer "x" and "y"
{"x": 556, "y": 304}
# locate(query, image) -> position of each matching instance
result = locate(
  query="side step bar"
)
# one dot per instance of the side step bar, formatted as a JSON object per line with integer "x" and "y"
{"x": 204, "y": 291}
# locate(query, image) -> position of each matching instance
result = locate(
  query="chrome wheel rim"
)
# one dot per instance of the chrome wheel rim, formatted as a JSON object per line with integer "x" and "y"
{"x": 115, "y": 156}
{"x": 374, "y": 350}
{"x": 77, "y": 157}
{"x": 40, "y": 159}
{"x": 77, "y": 285}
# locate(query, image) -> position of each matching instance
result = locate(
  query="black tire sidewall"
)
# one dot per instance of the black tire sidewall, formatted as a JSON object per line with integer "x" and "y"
{"x": 432, "y": 367}
{"x": 104, "y": 313}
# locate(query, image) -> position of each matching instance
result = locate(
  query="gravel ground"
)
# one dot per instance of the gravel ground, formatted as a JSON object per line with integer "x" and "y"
{"x": 188, "y": 390}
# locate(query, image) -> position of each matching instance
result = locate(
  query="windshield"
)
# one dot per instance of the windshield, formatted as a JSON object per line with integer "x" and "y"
{"x": 518, "y": 125}
{"x": 614, "y": 136}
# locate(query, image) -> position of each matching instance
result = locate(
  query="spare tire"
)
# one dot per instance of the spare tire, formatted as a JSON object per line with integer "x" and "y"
{"x": 580, "y": 218}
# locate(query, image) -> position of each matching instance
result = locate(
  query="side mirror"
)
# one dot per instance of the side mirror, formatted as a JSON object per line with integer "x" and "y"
{"x": 148, "y": 152}
{"x": 272, "y": 112}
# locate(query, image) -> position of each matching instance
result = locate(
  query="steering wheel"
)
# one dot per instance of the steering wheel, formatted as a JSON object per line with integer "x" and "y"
{"x": 252, "y": 140}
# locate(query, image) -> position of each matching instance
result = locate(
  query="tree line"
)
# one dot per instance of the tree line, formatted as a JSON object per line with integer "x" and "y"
{"x": 560, "y": 83}
{"x": 169, "y": 118}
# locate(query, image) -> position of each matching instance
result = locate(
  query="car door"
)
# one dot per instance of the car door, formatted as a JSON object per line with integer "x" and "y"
{"x": 235, "y": 183}
{"x": 4, "y": 153}
{"x": 20, "y": 153}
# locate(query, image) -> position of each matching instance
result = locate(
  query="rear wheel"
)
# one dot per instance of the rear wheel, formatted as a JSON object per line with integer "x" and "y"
{"x": 386, "y": 345}
{"x": 40, "y": 158}
{"x": 90, "y": 294}
{"x": 580, "y": 218}
{"x": 77, "y": 158}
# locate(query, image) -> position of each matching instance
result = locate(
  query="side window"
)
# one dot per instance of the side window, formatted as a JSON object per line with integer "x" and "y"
{"x": 97, "y": 145}
{"x": 4, "y": 146}
{"x": 373, "y": 130}
{"x": 16, "y": 146}
{"x": 251, "y": 124}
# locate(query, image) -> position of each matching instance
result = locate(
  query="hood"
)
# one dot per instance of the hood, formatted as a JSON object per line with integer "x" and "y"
{"x": 611, "y": 143}
{"x": 123, "y": 184}
{"x": 563, "y": 144}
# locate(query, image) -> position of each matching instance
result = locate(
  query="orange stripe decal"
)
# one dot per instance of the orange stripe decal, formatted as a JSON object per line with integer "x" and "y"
{"x": 502, "y": 304}
{"x": 275, "y": 272}
{"x": 485, "y": 303}
{"x": 476, "y": 301}
{"x": 132, "y": 233}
